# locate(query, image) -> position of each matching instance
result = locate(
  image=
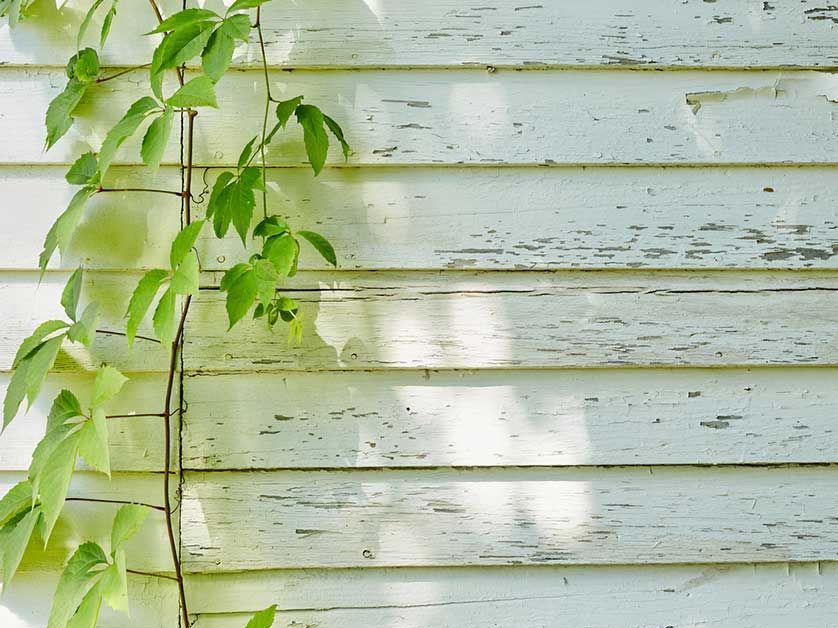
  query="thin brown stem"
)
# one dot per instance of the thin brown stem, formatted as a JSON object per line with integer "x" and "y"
{"x": 105, "y": 79}
{"x": 149, "y": 574}
{"x": 135, "y": 416}
{"x": 159, "y": 15}
{"x": 154, "y": 190}
{"x": 94, "y": 500}
{"x": 267, "y": 109}
{"x": 108, "y": 332}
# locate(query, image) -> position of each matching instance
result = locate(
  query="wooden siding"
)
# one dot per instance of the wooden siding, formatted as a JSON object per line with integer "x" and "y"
{"x": 576, "y": 365}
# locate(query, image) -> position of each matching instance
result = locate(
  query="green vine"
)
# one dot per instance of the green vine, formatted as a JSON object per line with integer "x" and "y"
{"x": 94, "y": 576}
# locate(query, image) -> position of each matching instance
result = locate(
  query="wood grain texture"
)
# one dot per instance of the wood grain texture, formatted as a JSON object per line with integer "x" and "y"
{"x": 81, "y": 521}
{"x": 550, "y": 218}
{"x": 462, "y": 419}
{"x": 355, "y": 33}
{"x": 735, "y": 596}
{"x": 24, "y": 304}
{"x": 153, "y": 603}
{"x": 476, "y": 118}
{"x": 618, "y": 515}
{"x": 531, "y": 320}
{"x": 118, "y": 230}
{"x": 136, "y": 444}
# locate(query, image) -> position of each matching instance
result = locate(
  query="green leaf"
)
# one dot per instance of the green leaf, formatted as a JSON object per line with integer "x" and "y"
{"x": 334, "y": 127}
{"x": 128, "y": 521}
{"x": 65, "y": 406}
{"x": 93, "y": 442}
{"x": 266, "y": 278}
{"x": 41, "y": 457}
{"x": 84, "y": 66}
{"x": 185, "y": 279}
{"x": 156, "y": 139}
{"x": 314, "y": 136}
{"x": 323, "y": 246}
{"x": 18, "y": 499}
{"x": 59, "y": 113}
{"x": 241, "y": 202}
{"x": 164, "y": 318}
{"x": 218, "y": 54}
{"x": 156, "y": 73}
{"x": 61, "y": 232}
{"x": 199, "y": 92}
{"x": 246, "y": 153}
{"x": 187, "y": 17}
{"x": 181, "y": 45}
{"x": 84, "y": 330}
{"x": 124, "y": 129}
{"x": 108, "y": 383}
{"x": 286, "y": 108}
{"x": 72, "y": 292}
{"x": 115, "y": 583}
{"x": 30, "y": 343}
{"x": 15, "y": 393}
{"x": 106, "y": 23}
{"x": 263, "y": 619}
{"x": 55, "y": 480}
{"x": 14, "y": 544}
{"x": 88, "y": 18}
{"x": 215, "y": 201}
{"x": 141, "y": 300}
{"x": 237, "y": 27}
{"x": 241, "y": 286}
{"x": 270, "y": 226}
{"x": 77, "y": 579}
{"x": 281, "y": 250}
{"x": 84, "y": 170}
{"x": 87, "y": 614}
{"x": 184, "y": 241}
{"x": 241, "y": 5}
{"x": 40, "y": 363}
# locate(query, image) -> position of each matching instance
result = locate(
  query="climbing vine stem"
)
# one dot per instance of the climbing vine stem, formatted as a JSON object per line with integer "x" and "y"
{"x": 75, "y": 429}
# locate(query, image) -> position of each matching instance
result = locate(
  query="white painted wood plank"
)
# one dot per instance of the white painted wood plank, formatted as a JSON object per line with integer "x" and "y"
{"x": 476, "y": 118}
{"x": 25, "y": 96}
{"x": 428, "y": 218}
{"x": 320, "y": 33}
{"x": 24, "y": 304}
{"x": 736, "y": 596}
{"x": 118, "y": 230}
{"x": 531, "y": 320}
{"x": 136, "y": 443}
{"x": 618, "y": 515}
{"x": 544, "y": 117}
{"x": 547, "y": 218}
{"x": 593, "y": 417}
{"x": 153, "y": 603}
{"x": 82, "y": 521}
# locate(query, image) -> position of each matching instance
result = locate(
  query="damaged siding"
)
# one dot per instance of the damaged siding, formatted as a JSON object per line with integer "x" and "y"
{"x": 576, "y": 367}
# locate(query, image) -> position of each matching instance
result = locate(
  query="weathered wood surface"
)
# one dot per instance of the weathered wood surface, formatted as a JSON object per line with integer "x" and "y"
{"x": 82, "y": 521}
{"x": 737, "y": 596}
{"x": 547, "y": 218}
{"x": 26, "y": 604}
{"x": 118, "y": 230}
{"x": 531, "y": 320}
{"x": 136, "y": 443}
{"x": 24, "y": 304}
{"x": 438, "y": 218}
{"x": 320, "y": 33}
{"x": 619, "y": 515}
{"x": 462, "y": 419}
{"x": 477, "y": 118}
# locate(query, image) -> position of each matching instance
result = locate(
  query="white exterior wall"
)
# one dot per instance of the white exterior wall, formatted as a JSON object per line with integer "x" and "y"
{"x": 592, "y": 380}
